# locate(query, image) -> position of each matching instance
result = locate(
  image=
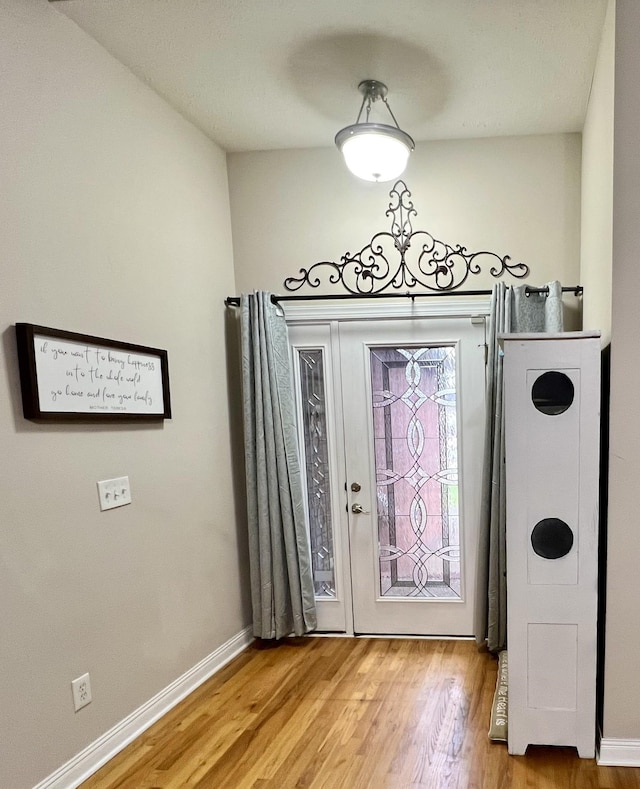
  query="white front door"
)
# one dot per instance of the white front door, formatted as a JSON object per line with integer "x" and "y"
{"x": 392, "y": 424}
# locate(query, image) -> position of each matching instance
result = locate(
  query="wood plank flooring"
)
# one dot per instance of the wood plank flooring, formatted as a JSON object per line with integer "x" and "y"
{"x": 340, "y": 713}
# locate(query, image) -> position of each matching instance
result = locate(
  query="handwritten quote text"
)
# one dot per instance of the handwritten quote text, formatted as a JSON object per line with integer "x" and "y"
{"x": 83, "y": 378}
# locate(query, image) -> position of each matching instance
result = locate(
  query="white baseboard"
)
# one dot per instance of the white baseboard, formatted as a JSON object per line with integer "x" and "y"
{"x": 619, "y": 753}
{"x": 85, "y": 763}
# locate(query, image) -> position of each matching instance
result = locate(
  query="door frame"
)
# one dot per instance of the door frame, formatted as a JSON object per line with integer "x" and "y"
{"x": 330, "y": 315}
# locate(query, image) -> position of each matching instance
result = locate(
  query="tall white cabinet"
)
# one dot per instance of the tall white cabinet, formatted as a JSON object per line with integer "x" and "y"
{"x": 552, "y": 419}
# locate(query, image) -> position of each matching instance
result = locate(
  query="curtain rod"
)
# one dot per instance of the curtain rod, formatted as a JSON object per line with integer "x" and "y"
{"x": 234, "y": 301}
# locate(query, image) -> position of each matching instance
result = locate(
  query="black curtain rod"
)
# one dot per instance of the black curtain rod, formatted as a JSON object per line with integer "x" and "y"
{"x": 234, "y": 301}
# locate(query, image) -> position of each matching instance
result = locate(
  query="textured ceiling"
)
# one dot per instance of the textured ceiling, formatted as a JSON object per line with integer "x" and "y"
{"x": 264, "y": 74}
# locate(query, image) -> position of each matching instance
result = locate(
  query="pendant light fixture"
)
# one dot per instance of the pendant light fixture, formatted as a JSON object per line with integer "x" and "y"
{"x": 374, "y": 151}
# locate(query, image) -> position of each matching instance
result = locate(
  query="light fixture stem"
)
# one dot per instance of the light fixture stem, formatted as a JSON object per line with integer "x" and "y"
{"x": 364, "y": 99}
{"x": 369, "y": 107}
{"x": 386, "y": 103}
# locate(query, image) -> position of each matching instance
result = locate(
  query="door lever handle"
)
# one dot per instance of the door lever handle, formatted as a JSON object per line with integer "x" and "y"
{"x": 358, "y": 509}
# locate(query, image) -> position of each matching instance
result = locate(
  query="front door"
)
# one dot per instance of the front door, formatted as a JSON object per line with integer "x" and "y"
{"x": 392, "y": 422}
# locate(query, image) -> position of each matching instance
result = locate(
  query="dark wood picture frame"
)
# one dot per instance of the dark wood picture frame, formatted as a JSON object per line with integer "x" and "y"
{"x": 111, "y": 399}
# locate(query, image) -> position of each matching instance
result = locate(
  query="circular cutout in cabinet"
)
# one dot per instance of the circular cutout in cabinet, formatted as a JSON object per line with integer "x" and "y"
{"x": 552, "y": 538}
{"x": 552, "y": 393}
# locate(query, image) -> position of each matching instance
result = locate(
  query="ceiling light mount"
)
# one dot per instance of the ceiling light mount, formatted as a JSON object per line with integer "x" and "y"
{"x": 372, "y": 89}
{"x": 374, "y": 151}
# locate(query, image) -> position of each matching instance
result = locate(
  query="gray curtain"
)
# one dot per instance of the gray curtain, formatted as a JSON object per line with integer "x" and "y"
{"x": 282, "y": 590}
{"x": 537, "y": 311}
{"x": 511, "y": 311}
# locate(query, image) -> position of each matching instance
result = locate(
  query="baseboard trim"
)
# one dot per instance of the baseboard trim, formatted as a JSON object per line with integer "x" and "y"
{"x": 85, "y": 763}
{"x": 619, "y": 753}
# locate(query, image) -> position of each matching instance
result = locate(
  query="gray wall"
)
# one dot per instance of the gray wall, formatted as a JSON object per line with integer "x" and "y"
{"x": 597, "y": 188}
{"x": 622, "y": 690}
{"x": 114, "y": 221}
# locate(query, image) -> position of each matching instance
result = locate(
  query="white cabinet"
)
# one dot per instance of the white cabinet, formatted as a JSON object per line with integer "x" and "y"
{"x": 552, "y": 421}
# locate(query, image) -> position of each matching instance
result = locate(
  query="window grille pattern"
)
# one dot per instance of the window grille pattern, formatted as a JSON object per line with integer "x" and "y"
{"x": 416, "y": 457}
{"x": 314, "y": 426}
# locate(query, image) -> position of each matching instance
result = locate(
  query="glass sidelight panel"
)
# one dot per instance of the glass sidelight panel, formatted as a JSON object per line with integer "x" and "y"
{"x": 316, "y": 459}
{"x": 416, "y": 457}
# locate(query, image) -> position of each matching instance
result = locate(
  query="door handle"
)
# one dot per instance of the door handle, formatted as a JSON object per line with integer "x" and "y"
{"x": 358, "y": 509}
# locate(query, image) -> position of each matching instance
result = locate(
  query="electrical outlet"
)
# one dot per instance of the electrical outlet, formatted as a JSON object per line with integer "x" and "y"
{"x": 114, "y": 493}
{"x": 81, "y": 688}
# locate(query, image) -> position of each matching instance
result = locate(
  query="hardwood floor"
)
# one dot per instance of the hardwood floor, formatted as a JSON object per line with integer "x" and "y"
{"x": 340, "y": 713}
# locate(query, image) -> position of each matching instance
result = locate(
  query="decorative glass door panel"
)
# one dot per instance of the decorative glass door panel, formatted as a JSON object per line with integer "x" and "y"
{"x": 416, "y": 460}
{"x": 413, "y": 413}
{"x": 316, "y": 466}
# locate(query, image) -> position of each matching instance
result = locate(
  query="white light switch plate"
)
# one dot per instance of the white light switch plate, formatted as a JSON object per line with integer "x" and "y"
{"x": 114, "y": 493}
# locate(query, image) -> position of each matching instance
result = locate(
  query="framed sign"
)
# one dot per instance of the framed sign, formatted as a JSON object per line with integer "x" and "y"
{"x": 70, "y": 376}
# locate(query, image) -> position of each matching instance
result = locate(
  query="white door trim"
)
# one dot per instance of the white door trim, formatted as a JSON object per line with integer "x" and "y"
{"x": 441, "y": 307}
{"x": 331, "y": 314}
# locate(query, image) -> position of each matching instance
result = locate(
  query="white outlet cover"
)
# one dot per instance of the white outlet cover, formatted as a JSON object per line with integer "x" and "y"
{"x": 81, "y": 688}
{"x": 114, "y": 493}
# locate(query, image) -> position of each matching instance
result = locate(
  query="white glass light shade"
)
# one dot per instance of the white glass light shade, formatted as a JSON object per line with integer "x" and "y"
{"x": 375, "y": 151}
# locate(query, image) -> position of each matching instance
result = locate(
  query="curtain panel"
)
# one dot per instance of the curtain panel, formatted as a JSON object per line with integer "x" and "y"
{"x": 282, "y": 590}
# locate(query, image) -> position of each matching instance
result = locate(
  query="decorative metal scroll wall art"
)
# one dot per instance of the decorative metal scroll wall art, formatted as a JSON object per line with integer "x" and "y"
{"x": 423, "y": 259}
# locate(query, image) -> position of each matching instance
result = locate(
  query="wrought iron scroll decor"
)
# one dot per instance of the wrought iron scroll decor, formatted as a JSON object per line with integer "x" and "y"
{"x": 423, "y": 259}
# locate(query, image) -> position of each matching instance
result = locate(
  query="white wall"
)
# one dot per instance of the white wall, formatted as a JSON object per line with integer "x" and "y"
{"x": 597, "y": 188}
{"x": 513, "y": 195}
{"x": 114, "y": 221}
{"x": 622, "y": 690}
